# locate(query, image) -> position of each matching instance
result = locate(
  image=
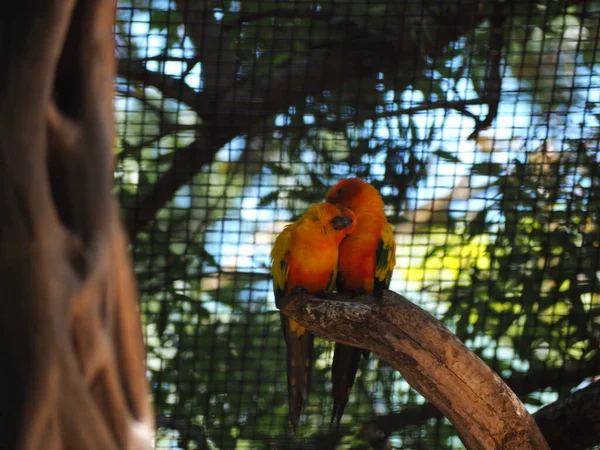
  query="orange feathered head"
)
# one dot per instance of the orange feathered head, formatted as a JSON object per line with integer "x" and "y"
{"x": 351, "y": 193}
{"x": 335, "y": 220}
{"x": 335, "y": 217}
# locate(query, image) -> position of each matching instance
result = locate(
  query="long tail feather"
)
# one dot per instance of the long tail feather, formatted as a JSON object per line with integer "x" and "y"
{"x": 299, "y": 369}
{"x": 343, "y": 373}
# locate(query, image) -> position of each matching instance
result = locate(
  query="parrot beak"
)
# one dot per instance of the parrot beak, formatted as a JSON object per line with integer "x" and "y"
{"x": 341, "y": 222}
{"x": 330, "y": 200}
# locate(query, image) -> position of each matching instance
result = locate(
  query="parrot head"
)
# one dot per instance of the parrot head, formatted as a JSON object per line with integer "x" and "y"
{"x": 336, "y": 219}
{"x": 351, "y": 193}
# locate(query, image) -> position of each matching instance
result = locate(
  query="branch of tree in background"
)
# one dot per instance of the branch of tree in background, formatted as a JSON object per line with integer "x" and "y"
{"x": 249, "y": 103}
{"x": 195, "y": 155}
{"x": 483, "y": 409}
{"x": 493, "y": 84}
{"x": 278, "y": 13}
{"x": 572, "y": 423}
{"x": 187, "y": 431}
{"x": 170, "y": 87}
{"x": 213, "y": 48}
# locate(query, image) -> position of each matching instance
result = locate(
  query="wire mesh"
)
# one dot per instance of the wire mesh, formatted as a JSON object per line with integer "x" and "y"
{"x": 478, "y": 122}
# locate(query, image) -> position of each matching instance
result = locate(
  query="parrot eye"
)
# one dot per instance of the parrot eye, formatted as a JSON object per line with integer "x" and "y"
{"x": 340, "y": 192}
{"x": 341, "y": 222}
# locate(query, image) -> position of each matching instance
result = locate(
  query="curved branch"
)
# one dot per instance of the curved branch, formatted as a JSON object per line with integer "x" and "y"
{"x": 485, "y": 412}
{"x": 572, "y": 423}
{"x": 521, "y": 384}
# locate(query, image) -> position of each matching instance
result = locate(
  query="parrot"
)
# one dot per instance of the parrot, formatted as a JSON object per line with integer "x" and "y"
{"x": 305, "y": 257}
{"x": 366, "y": 262}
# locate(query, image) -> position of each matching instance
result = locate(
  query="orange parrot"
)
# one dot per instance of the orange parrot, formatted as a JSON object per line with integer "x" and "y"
{"x": 305, "y": 256}
{"x": 367, "y": 259}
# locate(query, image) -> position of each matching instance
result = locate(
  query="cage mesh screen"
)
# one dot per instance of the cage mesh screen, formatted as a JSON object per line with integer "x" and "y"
{"x": 478, "y": 123}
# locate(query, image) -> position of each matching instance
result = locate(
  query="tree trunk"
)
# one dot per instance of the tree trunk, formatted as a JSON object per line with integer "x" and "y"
{"x": 69, "y": 322}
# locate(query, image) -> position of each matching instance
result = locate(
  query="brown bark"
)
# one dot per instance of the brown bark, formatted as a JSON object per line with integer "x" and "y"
{"x": 572, "y": 423}
{"x": 521, "y": 384}
{"x": 69, "y": 323}
{"x": 486, "y": 413}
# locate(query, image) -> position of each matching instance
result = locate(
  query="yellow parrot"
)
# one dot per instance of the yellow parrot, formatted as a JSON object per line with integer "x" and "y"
{"x": 305, "y": 256}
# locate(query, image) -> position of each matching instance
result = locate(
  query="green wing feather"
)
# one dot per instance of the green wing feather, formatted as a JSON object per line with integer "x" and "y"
{"x": 279, "y": 265}
{"x": 300, "y": 348}
{"x": 385, "y": 258}
{"x": 346, "y": 359}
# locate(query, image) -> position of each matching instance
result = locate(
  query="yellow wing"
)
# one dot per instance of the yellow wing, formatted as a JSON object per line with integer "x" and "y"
{"x": 385, "y": 258}
{"x": 279, "y": 265}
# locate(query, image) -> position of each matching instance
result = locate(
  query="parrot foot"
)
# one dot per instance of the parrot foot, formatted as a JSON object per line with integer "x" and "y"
{"x": 283, "y": 302}
{"x": 357, "y": 292}
{"x": 299, "y": 291}
{"x": 378, "y": 296}
{"x": 322, "y": 294}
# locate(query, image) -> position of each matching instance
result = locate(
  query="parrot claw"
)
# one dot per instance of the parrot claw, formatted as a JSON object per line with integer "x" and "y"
{"x": 357, "y": 292}
{"x": 299, "y": 291}
{"x": 321, "y": 294}
{"x": 283, "y": 302}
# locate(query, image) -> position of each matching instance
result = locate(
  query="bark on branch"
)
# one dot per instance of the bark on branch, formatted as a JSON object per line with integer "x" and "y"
{"x": 572, "y": 423}
{"x": 521, "y": 384}
{"x": 486, "y": 413}
{"x": 69, "y": 323}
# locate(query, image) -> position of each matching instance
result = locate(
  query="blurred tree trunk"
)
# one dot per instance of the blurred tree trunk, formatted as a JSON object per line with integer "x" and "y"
{"x": 72, "y": 346}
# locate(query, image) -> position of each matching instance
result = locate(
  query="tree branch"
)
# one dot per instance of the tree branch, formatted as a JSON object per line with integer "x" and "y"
{"x": 171, "y": 87}
{"x": 278, "y": 13}
{"x": 493, "y": 85}
{"x": 195, "y": 155}
{"x": 213, "y": 48}
{"x": 243, "y": 105}
{"x": 485, "y": 412}
{"x": 520, "y": 384}
{"x": 572, "y": 423}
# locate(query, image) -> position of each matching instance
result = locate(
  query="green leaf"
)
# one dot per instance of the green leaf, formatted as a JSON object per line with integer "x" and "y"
{"x": 277, "y": 169}
{"x": 445, "y": 155}
{"x": 488, "y": 168}
{"x": 268, "y": 199}
{"x": 477, "y": 225}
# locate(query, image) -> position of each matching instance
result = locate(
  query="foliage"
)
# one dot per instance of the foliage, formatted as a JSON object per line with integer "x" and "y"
{"x": 537, "y": 294}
